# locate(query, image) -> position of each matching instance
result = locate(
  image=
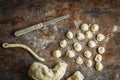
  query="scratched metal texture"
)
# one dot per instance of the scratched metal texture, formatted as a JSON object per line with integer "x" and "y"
{"x": 18, "y": 14}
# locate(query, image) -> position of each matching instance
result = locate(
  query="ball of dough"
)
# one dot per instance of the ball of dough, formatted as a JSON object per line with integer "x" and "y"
{"x": 101, "y": 50}
{"x": 95, "y": 27}
{"x": 77, "y": 46}
{"x": 63, "y": 43}
{"x": 98, "y": 58}
{"x": 89, "y": 35}
{"x": 87, "y": 54}
{"x": 88, "y": 63}
{"x": 69, "y": 35}
{"x": 57, "y": 53}
{"x": 70, "y": 53}
{"x": 79, "y": 60}
{"x": 84, "y": 27}
{"x": 91, "y": 44}
{"x": 100, "y": 37}
{"x": 80, "y": 36}
{"x": 99, "y": 66}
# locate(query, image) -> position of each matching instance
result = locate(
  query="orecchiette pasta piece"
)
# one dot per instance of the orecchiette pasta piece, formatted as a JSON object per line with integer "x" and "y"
{"x": 99, "y": 66}
{"x": 89, "y": 35}
{"x": 87, "y": 54}
{"x": 101, "y": 50}
{"x": 95, "y": 27}
{"x": 84, "y": 27}
{"x": 7, "y": 45}
{"x": 57, "y": 53}
{"x": 63, "y": 43}
{"x": 70, "y": 53}
{"x": 88, "y": 63}
{"x": 91, "y": 44}
{"x": 77, "y": 46}
{"x": 100, "y": 37}
{"x": 80, "y": 36}
{"x": 79, "y": 60}
{"x": 98, "y": 58}
{"x": 69, "y": 35}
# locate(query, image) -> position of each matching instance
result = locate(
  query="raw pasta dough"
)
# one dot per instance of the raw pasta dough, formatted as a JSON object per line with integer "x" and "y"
{"x": 76, "y": 76}
{"x": 39, "y": 71}
{"x": 7, "y": 45}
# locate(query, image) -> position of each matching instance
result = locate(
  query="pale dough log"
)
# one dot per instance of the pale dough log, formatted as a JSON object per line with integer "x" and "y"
{"x": 7, "y": 45}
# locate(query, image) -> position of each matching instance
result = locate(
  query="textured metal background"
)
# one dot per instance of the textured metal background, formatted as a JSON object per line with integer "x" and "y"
{"x": 18, "y": 14}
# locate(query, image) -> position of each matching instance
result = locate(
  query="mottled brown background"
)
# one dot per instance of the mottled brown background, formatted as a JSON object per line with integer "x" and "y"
{"x": 17, "y": 14}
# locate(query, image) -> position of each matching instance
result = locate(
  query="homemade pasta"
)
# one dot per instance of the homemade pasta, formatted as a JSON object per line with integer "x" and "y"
{"x": 7, "y": 45}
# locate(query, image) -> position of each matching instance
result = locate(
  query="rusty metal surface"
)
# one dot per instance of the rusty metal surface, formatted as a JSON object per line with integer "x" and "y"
{"x": 18, "y": 14}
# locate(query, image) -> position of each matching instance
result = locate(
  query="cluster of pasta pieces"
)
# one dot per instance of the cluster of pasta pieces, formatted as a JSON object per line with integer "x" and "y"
{"x": 86, "y": 32}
